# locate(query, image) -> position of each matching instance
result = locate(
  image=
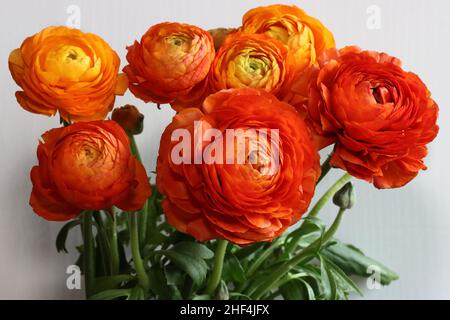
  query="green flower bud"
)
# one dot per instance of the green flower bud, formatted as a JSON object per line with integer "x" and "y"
{"x": 222, "y": 292}
{"x": 345, "y": 198}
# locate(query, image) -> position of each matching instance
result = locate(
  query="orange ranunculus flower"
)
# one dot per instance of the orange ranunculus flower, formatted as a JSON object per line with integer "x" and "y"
{"x": 169, "y": 61}
{"x": 250, "y": 61}
{"x": 248, "y": 185}
{"x": 306, "y": 37}
{"x": 86, "y": 166}
{"x": 66, "y": 70}
{"x": 381, "y": 116}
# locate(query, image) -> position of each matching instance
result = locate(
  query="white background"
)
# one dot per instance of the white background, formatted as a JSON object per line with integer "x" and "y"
{"x": 408, "y": 229}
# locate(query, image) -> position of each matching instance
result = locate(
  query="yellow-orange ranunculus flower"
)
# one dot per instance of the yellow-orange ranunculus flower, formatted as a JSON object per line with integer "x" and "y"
{"x": 306, "y": 37}
{"x": 169, "y": 61}
{"x": 66, "y": 70}
{"x": 250, "y": 61}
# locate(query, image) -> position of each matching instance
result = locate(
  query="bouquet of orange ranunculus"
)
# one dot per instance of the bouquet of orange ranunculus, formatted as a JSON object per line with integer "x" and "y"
{"x": 226, "y": 217}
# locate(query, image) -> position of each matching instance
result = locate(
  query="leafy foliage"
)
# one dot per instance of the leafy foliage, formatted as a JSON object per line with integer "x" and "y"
{"x": 178, "y": 266}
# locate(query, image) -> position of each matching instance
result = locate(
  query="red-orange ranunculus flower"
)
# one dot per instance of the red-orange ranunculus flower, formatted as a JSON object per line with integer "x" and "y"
{"x": 246, "y": 201}
{"x": 250, "y": 61}
{"x": 381, "y": 116}
{"x": 86, "y": 166}
{"x": 169, "y": 61}
{"x": 305, "y": 36}
{"x": 66, "y": 70}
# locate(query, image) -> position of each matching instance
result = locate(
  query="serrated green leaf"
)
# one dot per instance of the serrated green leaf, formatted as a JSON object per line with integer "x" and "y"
{"x": 63, "y": 233}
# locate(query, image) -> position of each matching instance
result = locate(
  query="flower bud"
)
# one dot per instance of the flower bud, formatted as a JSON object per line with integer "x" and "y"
{"x": 345, "y": 198}
{"x": 129, "y": 118}
{"x": 222, "y": 292}
{"x": 219, "y": 35}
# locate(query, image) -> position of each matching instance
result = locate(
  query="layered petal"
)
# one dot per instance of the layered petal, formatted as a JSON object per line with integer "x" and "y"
{"x": 66, "y": 70}
{"x": 86, "y": 166}
{"x": 242, "y": 168}
{"x": 168, "y": 62}
{"x": 380, "y": 116}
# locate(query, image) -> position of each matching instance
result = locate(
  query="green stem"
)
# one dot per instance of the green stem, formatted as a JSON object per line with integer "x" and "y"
{"x": 325, "y": 169}
{"x": 329, "y": 194}
{"x": 103, "y": 243}
{"x": 135, "y": 251}
{"x": 259, "y": 261}
{"x": 216, "y": 275}
{"x": 297, "y": 234}
{"x": 89, "y": 253}
{"x": 143, "y": 218}
{"x": 134, "y": 148}
{"x": 115, "y": 260}
{"x": 306, "y": 254}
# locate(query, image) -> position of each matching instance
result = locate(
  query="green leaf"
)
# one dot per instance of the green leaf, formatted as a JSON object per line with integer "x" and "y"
{"x": 237, "y": 295}
{"x": 353, "y": 262}
{"x": 112, "y": 294}
{"x": 63, "y": 233}
{"x": 158, "y": 283}
{"x": 202, "y": 297}
{"x": 342, "y": 277}
{"x": 311, "y": 229}
{"x": 174, "y": 276}
{"x": 196, "y": 268}
{"x": 233, "y": 270}
{"x": 111, "y": 282}
{"x": 328, "y": 281}
{"x": 249, "y": 251}
{"x": 136, "y": 293}
{"x": 293, "y": 290}
{"x": 194, "y": 249}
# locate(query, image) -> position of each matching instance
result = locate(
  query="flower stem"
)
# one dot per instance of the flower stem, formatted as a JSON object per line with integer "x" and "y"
{"x": 134, "y": 148}
{"x": 137, "y": 259}
{"x": 115, "y": 261}
{"x": 216, "y": 275}
{"x": 306, "y": 254}
{"x": 329, "y": 194}
{"x": 103, "y": 243}
{"x": 89, "y": 253}
{"x": 325, "y": 169}
{"x": 296, "y": 235}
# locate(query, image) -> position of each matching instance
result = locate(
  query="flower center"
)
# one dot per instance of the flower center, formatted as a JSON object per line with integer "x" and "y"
{"x": 382, "y": 95}
{"x": 67, "y": 63}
